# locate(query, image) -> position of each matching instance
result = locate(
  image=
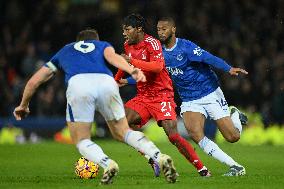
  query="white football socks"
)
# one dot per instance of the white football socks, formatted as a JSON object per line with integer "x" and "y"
{"x": 138, "y": 141}
{"x": 93, "y": 152}
{"x": 236, "y": 121}
{"x": 212, "y": 149}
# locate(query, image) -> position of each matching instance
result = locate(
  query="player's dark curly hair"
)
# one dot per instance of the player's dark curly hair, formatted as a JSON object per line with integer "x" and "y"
{"x": 135, "y": 20}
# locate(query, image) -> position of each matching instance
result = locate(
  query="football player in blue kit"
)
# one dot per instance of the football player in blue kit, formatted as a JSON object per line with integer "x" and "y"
{"x": 199, "y": 89}
{"x": 90, "y": 87}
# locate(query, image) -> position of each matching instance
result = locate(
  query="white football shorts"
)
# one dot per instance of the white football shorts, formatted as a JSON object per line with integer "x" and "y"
{"x": 213, "y": 105}
{"x": 89, "y": 92}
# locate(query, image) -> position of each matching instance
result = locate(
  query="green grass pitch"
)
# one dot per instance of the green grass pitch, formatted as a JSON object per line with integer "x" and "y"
{"x": 51, "y": 165}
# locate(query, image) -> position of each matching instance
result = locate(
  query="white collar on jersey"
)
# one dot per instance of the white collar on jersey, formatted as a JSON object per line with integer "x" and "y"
{"x": 172, "y": 47}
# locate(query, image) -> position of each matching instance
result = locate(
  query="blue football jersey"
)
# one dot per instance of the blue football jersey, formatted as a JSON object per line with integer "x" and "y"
{"x": 81, "y": 57}
{"x": 190, "y": 69}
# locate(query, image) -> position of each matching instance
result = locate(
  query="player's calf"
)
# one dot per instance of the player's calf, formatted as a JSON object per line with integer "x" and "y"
{"x": 228, "y": 129}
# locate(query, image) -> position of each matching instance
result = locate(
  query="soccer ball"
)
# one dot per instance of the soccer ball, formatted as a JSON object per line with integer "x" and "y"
{"x": 86, "y": 169}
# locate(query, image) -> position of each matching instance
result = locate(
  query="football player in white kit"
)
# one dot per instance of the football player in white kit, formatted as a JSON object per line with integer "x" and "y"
{"x": 91, "y": 87}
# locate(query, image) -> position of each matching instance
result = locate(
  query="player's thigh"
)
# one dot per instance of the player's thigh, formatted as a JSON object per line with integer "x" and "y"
{"x": 79, "y": 130}
{"x": 133, "y": 119}
{"x": 137, "y": 112}
{"x": 194, "y": 123}
{"x": 194, "y": 115}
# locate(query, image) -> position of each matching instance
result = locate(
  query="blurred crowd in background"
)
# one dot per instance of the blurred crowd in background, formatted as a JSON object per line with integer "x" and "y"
{"x": 245, "y": 33}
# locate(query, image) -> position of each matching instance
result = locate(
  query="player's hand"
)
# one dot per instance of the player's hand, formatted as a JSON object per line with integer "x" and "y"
{"x": 236, "y": 71}
{"x": 138, "y": 75}
{"x": 127, "y": 58}
{"x": 21, "y": 112}
{"x": 122, "y": 82}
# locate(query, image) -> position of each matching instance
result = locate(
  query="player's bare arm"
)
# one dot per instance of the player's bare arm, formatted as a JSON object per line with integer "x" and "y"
{"x": 127, "y": 58}
{"x": 40, "y": 77}
{"x": 236, "y": 71}
{"x": 119, "y": 62}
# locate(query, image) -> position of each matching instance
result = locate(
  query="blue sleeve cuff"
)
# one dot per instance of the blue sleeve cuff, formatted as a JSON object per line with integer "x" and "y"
{"x": 131, "y": 81}
{"x": 218, "y": 63}
{"x": 227, "y": 67}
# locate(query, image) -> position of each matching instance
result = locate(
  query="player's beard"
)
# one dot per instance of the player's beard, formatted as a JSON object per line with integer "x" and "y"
{"x": 167, "y": 40}
{"x": 131, "y": 41}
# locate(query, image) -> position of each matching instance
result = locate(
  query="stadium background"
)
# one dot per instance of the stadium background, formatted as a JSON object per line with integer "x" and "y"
{"x": 247, "y": 34}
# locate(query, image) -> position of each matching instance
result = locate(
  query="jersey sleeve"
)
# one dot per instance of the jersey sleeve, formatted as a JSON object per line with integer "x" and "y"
{"x": 53, "y": 63}
{"x": 155, "y": 49}
{"x": 156, "y": 59}
{"x": 107, "y": 44}
{"x": 119, "y": 75}
{"x": 131, "y": 81}
{"x": 197, "y": 54}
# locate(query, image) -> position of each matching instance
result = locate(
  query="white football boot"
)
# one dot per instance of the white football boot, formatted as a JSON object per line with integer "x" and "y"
{"x": 168, "y": 168}
{"x": 110, "y": 172}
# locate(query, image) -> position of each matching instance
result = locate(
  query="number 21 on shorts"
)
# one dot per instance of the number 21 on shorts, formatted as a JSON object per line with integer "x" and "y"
{"x": 166, "y": 108}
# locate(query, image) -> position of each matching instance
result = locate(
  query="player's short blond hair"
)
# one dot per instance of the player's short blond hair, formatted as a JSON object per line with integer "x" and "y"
{"x": 88, "y": 34}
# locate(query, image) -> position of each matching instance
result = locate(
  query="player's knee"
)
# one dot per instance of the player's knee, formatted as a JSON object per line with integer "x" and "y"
{"x": 234, "y": 137}
{"x": 169, "y": 126}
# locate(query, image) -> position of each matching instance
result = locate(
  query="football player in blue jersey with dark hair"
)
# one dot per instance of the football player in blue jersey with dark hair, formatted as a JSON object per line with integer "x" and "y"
{"x": 90, "y": 87}
{"x": 199, "y": 89}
